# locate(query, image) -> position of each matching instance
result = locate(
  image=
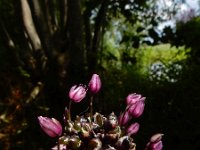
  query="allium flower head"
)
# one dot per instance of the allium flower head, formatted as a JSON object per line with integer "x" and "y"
{"x": 77, "y": 93}
{"x": 50, "y": 126}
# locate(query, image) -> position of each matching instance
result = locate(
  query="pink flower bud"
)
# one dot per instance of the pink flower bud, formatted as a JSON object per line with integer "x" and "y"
{"x": 155, "y": 142}
{"x": 77, "y": 93}
{"x": 133, "y": 128}
{"x": 50, "y": 126}
{"x": 136, "y": 109}
{"x": 95, "y": 84}
{"x": 132, "y": 98}
{"x": 124, "y": 118}
{"x": 156, "y": 146}
{"x": 156, "y": 137}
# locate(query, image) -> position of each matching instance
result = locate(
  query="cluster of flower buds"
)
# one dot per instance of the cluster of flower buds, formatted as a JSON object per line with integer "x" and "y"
{"x": 97, "y": 132}
{"x": 134, "y": 109}
{"x": 103, "y": 133}
{"x": 78, "y": 93}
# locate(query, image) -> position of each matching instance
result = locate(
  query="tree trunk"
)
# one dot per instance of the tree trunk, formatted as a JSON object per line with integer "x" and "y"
{"x": 98, "y": 31}
{"x": 75, "y": 42}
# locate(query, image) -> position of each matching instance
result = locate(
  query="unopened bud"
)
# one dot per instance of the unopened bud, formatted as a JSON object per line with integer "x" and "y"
{"x": 155, "y": 142}
{"x": 136, "y": 109}
{"x": 77, "y": 93}
{"x": 50, "y": 126}
{"x": 95, "y": 84}
{"x": 156, "y": 145}
{"x": 156, "y": 137}
{"x": 124, "y": 118}
{"x": 133, "y": 129}
{"x": 133, "y": 98}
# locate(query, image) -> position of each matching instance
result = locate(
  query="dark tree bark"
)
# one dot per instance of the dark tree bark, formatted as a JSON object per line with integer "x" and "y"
{"x": 98, "y": 31}
{"x": 75, "y": 41}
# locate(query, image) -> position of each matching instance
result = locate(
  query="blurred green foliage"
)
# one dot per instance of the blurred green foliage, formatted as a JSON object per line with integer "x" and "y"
{"x": 162, "y": 63}
{"x": 172, "y": 103}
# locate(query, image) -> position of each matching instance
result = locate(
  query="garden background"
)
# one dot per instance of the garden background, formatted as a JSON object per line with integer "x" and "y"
{"x": 151, "y": 47}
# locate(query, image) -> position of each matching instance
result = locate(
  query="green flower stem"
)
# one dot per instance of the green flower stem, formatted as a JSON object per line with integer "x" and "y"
{"x": 91, "y": 109}
{"x": 69, "y": 111}
{"x": 58, "y": 144}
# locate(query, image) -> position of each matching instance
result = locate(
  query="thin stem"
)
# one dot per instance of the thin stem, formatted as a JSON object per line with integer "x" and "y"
{"x": 91, "y": 109}
{"x": 69, "y": 111}
{"x": 58, "y": 144}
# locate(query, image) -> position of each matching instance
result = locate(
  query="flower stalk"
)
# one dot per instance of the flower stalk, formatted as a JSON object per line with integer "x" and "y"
{"x": 69, "y": 110}
{"x": 91, "y": 107}
{"x": 58, "y": 144}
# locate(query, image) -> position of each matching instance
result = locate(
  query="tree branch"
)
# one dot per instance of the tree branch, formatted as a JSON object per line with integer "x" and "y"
{"x": 41, "y": 26}
{"x": 63, "y": 8}
{"x": 87, "y": 27}
{"x": 92, "y": 54}
{"x": 75, "y": 35}
{"x": 50, "y": 15}
{"x": 98, "y": 24}
{"x": 29, "y": 25}
{"x": 8, "y": 39}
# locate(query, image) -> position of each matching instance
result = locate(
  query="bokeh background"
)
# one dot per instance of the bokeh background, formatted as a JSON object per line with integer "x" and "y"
{"x": 151, "y": 47}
